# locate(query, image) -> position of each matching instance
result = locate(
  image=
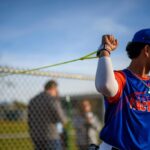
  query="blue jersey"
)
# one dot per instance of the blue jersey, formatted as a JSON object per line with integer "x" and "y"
{"x": 127, "y": 119}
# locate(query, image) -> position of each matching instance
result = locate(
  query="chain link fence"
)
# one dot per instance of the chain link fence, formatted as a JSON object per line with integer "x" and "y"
{"x": 31, "y": 119}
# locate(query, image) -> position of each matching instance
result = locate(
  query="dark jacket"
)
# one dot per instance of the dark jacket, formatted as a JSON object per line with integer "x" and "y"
{"x": 44, "y": 112}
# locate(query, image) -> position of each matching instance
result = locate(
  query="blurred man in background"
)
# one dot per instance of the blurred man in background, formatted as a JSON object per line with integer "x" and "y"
{"x": 87, "y": 126}
{"x": 44, "y": 112}
{"x": 92, "y": 124}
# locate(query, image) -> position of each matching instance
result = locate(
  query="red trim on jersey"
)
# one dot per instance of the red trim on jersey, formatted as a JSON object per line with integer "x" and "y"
{"x": 121, "y": 79}
{"x": 142, "y": 78}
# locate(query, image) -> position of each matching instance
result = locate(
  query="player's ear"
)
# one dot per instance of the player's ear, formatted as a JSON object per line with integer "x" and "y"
{"x": 147, "y": 51}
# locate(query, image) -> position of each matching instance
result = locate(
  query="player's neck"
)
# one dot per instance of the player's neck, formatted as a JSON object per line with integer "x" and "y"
{"x": 140, "y": 69}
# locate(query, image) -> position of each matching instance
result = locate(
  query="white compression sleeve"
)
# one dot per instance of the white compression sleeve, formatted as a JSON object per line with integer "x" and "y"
{"x": 105, "y": 81}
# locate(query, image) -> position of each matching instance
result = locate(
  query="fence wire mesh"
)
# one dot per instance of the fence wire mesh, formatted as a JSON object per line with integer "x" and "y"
{"x": 31, "y": 118}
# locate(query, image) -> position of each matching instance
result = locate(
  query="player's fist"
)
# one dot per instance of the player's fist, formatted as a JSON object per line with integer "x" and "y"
{"x": 109, "y": 42}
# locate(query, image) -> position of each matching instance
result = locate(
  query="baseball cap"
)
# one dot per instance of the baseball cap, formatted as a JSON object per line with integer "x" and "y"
{"x": 142, "y": 36}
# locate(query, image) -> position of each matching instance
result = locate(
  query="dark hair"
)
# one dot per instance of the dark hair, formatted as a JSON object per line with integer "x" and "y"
{"x": 134, "y": 49}
{"x": 50, "y": 84}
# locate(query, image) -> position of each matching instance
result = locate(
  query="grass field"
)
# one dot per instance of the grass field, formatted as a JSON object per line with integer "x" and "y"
{"x": 16, "y": 144}
{"x": 13, "y": 127}
{"x": 9, "y": 139}
{"x": 10, "y": 128}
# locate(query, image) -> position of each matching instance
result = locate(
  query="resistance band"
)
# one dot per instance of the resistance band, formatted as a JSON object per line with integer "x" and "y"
{"x": 88, "y": 56}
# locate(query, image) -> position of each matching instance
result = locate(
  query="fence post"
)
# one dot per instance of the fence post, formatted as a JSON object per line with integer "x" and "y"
{"x": 70, "y": 129}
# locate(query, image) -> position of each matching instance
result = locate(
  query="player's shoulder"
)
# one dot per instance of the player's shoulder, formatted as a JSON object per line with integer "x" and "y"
{"x": 121, "y": 80}
{"x": 120, "y": 75}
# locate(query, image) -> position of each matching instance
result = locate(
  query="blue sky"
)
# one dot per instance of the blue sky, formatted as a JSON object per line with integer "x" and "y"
{"x": 40, "y": 32}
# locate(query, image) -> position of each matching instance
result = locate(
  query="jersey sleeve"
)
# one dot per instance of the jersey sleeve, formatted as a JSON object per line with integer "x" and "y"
{"x": 121, "y": 80}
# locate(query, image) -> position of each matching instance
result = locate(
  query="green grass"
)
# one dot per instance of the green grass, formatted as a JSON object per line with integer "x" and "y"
{"x": 16, "y": 127}
{"x": 13, "y": 127}
{"x": 16, "y": 144}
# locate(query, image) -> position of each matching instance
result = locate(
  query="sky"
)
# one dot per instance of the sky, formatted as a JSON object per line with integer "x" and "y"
{"x": 40, "y": 32}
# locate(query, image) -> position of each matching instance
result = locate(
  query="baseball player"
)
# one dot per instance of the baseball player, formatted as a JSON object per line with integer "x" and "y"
{"x": 126, "y": 94}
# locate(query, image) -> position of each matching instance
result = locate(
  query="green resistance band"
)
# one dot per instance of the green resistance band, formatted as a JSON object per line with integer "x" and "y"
{"x": 88, "y": 56}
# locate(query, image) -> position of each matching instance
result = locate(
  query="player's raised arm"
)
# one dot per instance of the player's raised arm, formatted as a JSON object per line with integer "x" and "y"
{"x": 105, "y": 81}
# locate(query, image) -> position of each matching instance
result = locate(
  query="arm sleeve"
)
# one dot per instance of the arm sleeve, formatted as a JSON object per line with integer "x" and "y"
{"x": 121, "y": 80}
{"x": 107, "y": 82}
{"x": 61, "y": 113}
{"x": 55, "y": 110}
